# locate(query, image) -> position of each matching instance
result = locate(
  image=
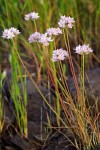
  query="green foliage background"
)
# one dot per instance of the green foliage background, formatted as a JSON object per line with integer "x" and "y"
{"x": 86, "y": 14}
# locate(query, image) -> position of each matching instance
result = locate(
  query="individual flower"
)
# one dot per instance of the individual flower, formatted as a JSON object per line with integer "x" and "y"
{"x": 10, "y": 33}
{"x": 32, "y": 16}
{"x": 84, "y": 49}
{"x": 44, "y": 39}
{"x": 66, "y": 22}
{"x": 53, "y": 31}
{"x": 59, "y": 54}
{"x": 34, "y": 37}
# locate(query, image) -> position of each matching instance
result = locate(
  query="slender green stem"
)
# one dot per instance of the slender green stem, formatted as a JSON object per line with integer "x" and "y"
{"x": 35, "y": 26}
{"x": 65, "y": 39}
{"x": 54, "y": 44}
{"x": 83, "y": 88}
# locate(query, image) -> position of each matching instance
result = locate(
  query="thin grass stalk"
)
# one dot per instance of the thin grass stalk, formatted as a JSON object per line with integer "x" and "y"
{"x": 64, "y": 80}
{"x": 73, "y": 110}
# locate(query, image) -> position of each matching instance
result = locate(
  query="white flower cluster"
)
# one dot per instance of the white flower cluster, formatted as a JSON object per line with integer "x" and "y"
{"x": 10, "y": 33}
{"x": 41, "y": 38}
{"x": 53, "y": 31}
{"x": 66, "y": 22}
{"x": 45, "y": 40}
{"x": 59, "y": 54}
{"x": 84, "y": 49}
{"x": 32, "y": 16}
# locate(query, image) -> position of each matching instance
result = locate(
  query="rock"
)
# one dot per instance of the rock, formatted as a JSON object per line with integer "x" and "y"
{"x": 58, "y": 141}
{"x": 8, "y": 117}
{"x": 94, "y": 82}
{"x": 7, "y": 123}
{"x": 34, "y": 130}
{"x": 22, "y": 143}
{"x": 97, "y": 147}
{"x": 37, "y": 110}
{"x": 9, "y": 148}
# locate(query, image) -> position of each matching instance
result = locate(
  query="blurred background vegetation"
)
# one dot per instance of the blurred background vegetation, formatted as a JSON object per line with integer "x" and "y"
{"x": 86, "y": 29}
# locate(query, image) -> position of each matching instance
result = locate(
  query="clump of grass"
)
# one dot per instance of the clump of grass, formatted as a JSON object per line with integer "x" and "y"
{"x": 19, "y": 97}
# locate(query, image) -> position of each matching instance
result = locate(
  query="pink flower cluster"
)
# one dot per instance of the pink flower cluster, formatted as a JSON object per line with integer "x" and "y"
{"x": 84, "y": 49}
{"x": 41, "y": 38}
{"x": 31, "y": 16}
{"x": 10, "y": 33}
{"x": 45, "y": 40}
{"x": 34, "y": 37}
{"x": 53, "y": 31}
{"x": 66, "y": 22}
{"x": 59, "y": 54}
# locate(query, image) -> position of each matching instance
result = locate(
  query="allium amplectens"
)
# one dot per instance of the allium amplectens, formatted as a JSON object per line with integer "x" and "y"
{"x": 44, "y": 39}
{"x": 32, "y": 16}
{"x": 66, "y": 22}
{"x": 84, "y": 49}
{"x": 53, "y": 31}
{"x": 59, "y": 54}
{"x": 10, "y": 33}
{"x": 34, "y": 37}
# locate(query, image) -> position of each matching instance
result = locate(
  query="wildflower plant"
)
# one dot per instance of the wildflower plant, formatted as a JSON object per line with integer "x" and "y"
{"x": 76, "y": 115}
{"x": 77, "y": 111}
{"x": 20, "y": 101}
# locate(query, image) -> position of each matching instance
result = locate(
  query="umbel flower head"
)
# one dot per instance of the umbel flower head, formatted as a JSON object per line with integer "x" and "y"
{"x": 44, "y": 39}
{"x": 59, "y": 54}
{"x": 34, "y": 37}
{"x": 41, "y": 38}
{"x": 66, "y": 22}
{"x": 83, "y": 49}
{"x": 53, "y": 31}
{"x": 31, "y": 16}
{"x": 10, "y": 33}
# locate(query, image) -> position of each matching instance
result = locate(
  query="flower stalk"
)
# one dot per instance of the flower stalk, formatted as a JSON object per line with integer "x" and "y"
{"x": 83, "y": 87}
